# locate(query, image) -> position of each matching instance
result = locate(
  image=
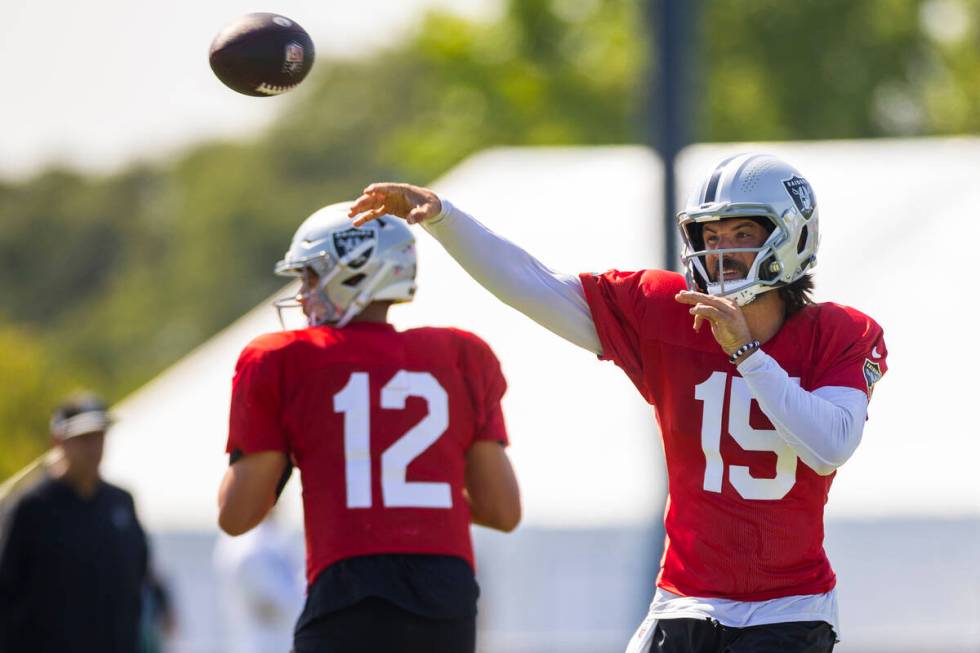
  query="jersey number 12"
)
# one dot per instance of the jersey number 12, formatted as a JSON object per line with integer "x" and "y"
{"x": 354, "y": 401}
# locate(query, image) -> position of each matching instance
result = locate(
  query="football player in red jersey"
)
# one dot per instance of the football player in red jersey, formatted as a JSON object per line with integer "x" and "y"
{"x": 756, "y": 411}
{"x": 398, "y": 436}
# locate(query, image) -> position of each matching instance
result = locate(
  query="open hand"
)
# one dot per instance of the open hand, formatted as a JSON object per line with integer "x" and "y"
{"x": 412, "y": 203}
{"x": 728, "y": 324}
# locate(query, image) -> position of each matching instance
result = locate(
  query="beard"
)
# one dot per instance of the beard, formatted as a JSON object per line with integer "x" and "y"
{"x": 740, "y": 269}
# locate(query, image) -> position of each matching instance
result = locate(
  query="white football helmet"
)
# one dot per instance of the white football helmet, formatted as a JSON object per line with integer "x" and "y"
{"x": 758, "y": 186}
{"x": 354, "y": 265}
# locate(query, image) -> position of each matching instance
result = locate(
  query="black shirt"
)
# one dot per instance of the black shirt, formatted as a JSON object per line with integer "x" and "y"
{"x": 71, "y": 572}
{"x": 432, "y": 586}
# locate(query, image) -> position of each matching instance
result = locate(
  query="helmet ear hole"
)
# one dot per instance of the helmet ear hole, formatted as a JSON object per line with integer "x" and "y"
{"x": 801, "y": 244}
{"x": 769, "y": 269}
{"x": 350, "y": 282}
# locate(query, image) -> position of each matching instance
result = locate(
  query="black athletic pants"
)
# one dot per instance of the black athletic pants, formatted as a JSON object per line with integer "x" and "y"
{"x": 707, "y": 636}
{"x": 378, "y": 626}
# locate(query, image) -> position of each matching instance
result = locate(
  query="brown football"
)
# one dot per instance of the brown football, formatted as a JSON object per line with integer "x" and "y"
{"x": 262, "y": 54}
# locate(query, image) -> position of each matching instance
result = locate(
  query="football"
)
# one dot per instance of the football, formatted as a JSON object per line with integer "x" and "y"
{"x": 262, "y": 54}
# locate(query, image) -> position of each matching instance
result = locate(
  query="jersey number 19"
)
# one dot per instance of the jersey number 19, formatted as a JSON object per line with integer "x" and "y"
{"x": 712, "y": 393}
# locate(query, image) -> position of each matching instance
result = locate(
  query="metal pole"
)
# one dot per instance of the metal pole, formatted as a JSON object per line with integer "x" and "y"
{"x": 672, "y": 25}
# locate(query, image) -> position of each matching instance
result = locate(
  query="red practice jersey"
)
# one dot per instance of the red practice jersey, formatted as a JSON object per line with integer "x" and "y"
{"x": 744, "y": 515}
{"x": 378, "y": 423}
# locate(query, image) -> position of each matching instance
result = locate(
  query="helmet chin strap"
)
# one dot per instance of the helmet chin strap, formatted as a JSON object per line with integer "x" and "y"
{"x": 322, "y": 300}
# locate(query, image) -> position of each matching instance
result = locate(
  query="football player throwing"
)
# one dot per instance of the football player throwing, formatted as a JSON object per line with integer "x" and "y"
{"x": 760, "y": 394}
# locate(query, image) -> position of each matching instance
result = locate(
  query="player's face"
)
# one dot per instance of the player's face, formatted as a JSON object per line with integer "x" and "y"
{"x": 84, "y": 452}
{"x": 310, "y": 281}
{"x": 728, "y": 234}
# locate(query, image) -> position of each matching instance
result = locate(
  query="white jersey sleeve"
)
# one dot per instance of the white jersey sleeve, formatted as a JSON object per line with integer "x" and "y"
{"x": 554, "y": 300}
{"x": 823, "y": 427}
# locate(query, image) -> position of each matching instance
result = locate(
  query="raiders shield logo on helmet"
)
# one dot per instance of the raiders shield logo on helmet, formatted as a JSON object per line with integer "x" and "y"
{"x": 351, "y": 239}
{"x": 799, "y": 189}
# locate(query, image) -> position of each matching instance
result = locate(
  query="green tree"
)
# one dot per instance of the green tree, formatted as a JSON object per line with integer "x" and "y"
{"x": 31, "y": 384}
{"x": 774, "y": 70}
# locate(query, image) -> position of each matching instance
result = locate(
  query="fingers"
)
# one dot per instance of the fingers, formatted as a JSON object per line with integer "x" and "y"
{"x": 417, "y": 215}
{"x": 366, "y": 202}
{"x": 705, "y": 312}
{"x": 714, "y": 314}
{"x": 691, "y": 297}
{"x": 377, "y": 200}
{"x": 698, "y": 320}
{"x": 376, "y": 196}
{"x": 727, "y": 321}
{"x": 384, "y": 188}
{"x": 367, "y": 216}
{"x": 412, "y": 203}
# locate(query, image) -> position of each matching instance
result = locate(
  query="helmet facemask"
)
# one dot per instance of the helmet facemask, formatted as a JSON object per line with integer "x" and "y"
{"x": 706, "y": 267}
{"x": 312, "y": 297}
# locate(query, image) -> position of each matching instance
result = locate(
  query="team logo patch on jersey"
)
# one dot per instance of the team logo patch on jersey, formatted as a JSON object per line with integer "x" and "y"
{"x": 872, "y": 374}
{"x": 799, "y": 189}
{"x": 351, "y": 239}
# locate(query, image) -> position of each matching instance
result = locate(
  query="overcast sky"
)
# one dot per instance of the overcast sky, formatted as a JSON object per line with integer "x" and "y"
{"x": 99, "y": 83}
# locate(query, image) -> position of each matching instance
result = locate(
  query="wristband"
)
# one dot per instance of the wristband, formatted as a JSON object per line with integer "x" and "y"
{"x": 744, "y": 349}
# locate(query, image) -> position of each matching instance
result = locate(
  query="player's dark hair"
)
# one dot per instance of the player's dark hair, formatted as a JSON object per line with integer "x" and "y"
{"x": 797, "y": 294}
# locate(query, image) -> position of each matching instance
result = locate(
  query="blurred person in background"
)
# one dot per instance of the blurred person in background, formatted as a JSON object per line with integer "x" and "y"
{"x": 260, "y": 581}
{"x": 756, "y": 412}
{"x": 74, "y": 557}
{"x": 158, "y": 621}
{"x": 399, "y": 438}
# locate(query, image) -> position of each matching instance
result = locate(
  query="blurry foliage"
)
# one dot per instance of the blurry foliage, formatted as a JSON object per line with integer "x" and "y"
{"x": 31, "y": 378}
{"x": 104, "y": 281}
{"x": 775, "y": 70}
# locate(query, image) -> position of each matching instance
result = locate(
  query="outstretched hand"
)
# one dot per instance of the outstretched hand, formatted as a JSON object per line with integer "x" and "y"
{"x": 728, "y": 324}
{"x": 412, "y": 203}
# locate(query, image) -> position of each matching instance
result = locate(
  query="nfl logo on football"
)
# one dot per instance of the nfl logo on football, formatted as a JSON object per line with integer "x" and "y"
{"x": 294, "y": 58}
